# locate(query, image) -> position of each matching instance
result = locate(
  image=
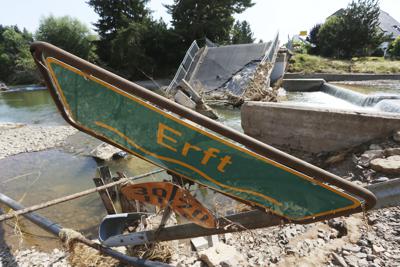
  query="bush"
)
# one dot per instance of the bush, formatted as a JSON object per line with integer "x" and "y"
{"x": 67, "y": 33}
{"x": 394, "y": 48}
{"x": 352, "y": 32}
{"x": 300, "y": 47}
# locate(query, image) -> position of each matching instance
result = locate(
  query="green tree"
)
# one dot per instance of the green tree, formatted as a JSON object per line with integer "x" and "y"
{"x": 115, "y": 16}
{"x": 241, "y": 33}
{"x": 132, "y": 43}
{"x": 313, "y": 38}
{"x": 352, "y": 32}
{"x": 67, "y": 33}
{"x": 197, "y": 19}
{"x": 17, "y": 65}
{"x": 394, "y": 48}
{"x": 329, "y": 44}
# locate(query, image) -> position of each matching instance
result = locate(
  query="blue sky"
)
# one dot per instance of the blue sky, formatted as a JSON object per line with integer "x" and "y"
{"x": 266, "y": 17}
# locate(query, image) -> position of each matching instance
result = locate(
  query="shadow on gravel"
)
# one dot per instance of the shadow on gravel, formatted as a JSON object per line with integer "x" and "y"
{"x": 6, "y": 257}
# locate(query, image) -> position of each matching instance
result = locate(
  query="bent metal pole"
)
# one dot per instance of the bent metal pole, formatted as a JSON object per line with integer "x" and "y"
{"x": 55, "y": 229}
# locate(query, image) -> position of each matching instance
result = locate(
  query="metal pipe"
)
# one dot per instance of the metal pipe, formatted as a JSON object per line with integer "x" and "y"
{"x": 40, "y": 221}
{"x": 387, "y": 193}
{"x": 55, "y": 229}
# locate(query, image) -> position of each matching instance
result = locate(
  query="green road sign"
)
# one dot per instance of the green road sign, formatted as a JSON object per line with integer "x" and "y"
{"x": 167, "y": 141}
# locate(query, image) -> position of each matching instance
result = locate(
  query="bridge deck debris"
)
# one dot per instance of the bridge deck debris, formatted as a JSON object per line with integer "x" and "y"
{"x": 229, "y": 74}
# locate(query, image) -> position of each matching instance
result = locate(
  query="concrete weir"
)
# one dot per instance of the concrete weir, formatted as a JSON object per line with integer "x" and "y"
{"x": 380, "y": 102}
{"x": 314, "y": 129}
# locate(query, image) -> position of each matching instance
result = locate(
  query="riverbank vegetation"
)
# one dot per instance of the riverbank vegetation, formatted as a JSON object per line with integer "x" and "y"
{"x": 350, "y": 41}
{"x": 308, "y": 64}
{"x": 128, "y": 40}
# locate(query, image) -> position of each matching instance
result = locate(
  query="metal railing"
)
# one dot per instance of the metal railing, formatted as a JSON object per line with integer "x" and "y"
{"x": 272, "y": 51}
{"x": 184, "y": 67}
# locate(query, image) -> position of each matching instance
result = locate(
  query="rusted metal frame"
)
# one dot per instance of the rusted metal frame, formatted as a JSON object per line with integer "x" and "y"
{"x": 234, "y": 223}
{"x": 39, "y": 48}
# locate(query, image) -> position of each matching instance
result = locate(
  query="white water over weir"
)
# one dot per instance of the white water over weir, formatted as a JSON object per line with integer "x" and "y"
{"x": 378, "y": 101}
{"x": 391, "y": 102}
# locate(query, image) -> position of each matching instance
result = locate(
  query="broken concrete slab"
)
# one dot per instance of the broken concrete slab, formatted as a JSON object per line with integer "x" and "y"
{"x": 184, "y": 100}
{"x": 312, "y": 129}
{"x": 222, "y": 255}
{"x": 390, "y": 165}
{"x": 104, "y": 151}
{"x": 199, "y": 243}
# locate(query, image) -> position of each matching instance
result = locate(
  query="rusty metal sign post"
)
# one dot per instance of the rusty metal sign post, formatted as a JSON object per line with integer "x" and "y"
{"x": 193, "y": 146}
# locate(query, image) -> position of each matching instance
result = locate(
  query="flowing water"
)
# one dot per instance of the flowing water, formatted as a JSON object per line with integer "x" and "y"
{"x": 375, "y": 91}
{"x": 29, "y": 106}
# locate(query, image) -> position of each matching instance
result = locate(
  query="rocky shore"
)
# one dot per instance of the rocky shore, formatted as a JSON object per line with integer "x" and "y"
{"x": 19, "y": 138}
{"x": 33, "y": 257}
{"x": 364, "y": 240}
{"x": 361, "y": 240}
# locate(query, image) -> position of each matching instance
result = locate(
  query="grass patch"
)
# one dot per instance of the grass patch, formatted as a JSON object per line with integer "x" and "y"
{"x": 304, "y": 63}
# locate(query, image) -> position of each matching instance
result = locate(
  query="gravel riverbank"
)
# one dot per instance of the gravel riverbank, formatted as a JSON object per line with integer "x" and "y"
{"x": 19, "y": 138}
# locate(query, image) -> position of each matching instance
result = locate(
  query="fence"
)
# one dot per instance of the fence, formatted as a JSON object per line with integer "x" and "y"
{"x": 272, "y": 51}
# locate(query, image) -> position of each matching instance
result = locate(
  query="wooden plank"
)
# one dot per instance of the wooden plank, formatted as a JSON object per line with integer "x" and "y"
{"x": 105, "y": 197}
{"x": 105, "y": 174}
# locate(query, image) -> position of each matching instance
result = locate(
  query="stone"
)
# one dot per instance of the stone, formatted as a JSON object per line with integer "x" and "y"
{"x": 369, "y": 155}
{"x": 390, "y": 165}
{"x": 392, "y": 151}
{"x": 352, "y": 260}
{"x": 352, "y": 248}
{"x": 290, "y": 232}
{"x": 375, "y": 147}
{"x": 378, "y": 249}
{"x": 396, "y": 136}
{"x": 363, "y": 263}
{"x": 196, "y": 264}
{"x": 338, "y": 260}
{"x": 222, "y": 255}
{"x": 199, "y": 243}
{"x": 361, "y": 255}
{"x": 104, "y": 151}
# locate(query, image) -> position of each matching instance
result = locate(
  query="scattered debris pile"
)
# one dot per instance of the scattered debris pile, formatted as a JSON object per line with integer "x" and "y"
{"x": 232, "y": 74}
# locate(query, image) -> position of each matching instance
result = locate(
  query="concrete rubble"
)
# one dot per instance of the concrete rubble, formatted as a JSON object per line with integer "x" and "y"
{"x": 222, "y": 255}
{"x": 387, "y": 165}
{"x": 106, "y": 151}
{"x": 370, "y": 240}
{"x": 190, "y": 98}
